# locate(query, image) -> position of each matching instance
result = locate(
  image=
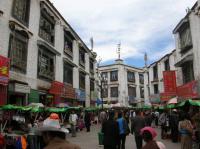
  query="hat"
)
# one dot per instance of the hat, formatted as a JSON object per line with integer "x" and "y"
{"x": 174, "y": 110}
{"x": 149, "y": 129}
{"x": 51, "y": 125}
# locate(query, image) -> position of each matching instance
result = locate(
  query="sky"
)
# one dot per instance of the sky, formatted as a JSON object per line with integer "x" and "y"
{"x": 139, "y": 25}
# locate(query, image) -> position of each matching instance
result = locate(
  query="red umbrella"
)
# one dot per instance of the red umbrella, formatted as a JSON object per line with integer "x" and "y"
{"x": 150, "y": 129}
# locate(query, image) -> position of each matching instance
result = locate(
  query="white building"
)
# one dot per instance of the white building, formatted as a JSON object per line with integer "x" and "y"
{"x": 43, "y": 48}
{"x": 155, "y": 71}
{"x": 125, "y": 84}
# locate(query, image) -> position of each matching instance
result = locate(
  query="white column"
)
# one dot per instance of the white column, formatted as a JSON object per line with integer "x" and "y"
{"x": 76, "y": 52}
{"x": 87, "y": 63}
{"x": 75, "y": 77}
{"x": 87, "y": 90}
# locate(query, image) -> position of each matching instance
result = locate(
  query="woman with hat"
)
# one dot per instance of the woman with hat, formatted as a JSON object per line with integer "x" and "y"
{"x": 53, "y": 135}
{"x": 148, "y": 134}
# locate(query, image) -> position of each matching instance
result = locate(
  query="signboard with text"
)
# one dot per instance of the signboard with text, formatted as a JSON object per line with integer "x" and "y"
{"x": 166, "y": 96}
{"x": 169, "y": 80}
{"x": 4, "y": 70}
{"x": 189, "y": 90}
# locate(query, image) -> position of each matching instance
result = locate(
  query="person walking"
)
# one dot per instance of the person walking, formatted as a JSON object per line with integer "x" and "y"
{"x": 110, "y": 130}
{"x": 123, "y": 129}
{"x": 54, "y": 136}
{"x": 73, "y": 121}
{"x": 87, "y": 120}
{"x": 186, "y": 130}
{"x": 173, "y": 122}
{"x": 137, "y": 123}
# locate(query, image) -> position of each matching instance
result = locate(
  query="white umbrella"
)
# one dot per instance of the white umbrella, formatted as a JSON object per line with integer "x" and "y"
{"x": 62, "y": 105}
{"x": 36, "y": 104}
{"x": 172, "y": 100}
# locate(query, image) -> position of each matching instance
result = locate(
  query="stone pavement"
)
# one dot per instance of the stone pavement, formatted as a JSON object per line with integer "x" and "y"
{"x": 89, "y": 140}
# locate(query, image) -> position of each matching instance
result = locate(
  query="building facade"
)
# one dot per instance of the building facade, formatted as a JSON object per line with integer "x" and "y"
{"x": 49, "y": 62}
{"x": 126, "y": 85}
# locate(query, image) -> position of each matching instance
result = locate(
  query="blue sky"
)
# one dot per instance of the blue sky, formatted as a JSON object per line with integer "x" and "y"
{"x": 140, "y": 25}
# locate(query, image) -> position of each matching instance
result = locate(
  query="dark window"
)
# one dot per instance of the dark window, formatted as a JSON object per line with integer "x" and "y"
{"x": 46, "y": 64}
{"x": 142, "y": 92}
{"x": 104, "y": 75}
{"x": 68, "y": 44}
{"x": 18, "y": 49}
{"x": 105, "y": 93}
{"x": 114, "y": 92}
{"x": 132, "y": 92}
{"x": 82, "y": 57}
{"x": 141, "y": 78}
{"x": 167, "y": 67}
{"x": 91, "y": 85}
{"x": 155, "y": 88}
{"x": 131, "y": 76}
{"x": 155, "y": 72}
{"x": 188, "y": 72}
{"x": 185, "y": 38}
{"x": 68, "y": 74}
{"x": 81, "y": 80}
{"x": 21, "y": 10}
{"x": 114, "y": 75}
{"x": 91, "y": 65}
{"x": 47, "y": 24}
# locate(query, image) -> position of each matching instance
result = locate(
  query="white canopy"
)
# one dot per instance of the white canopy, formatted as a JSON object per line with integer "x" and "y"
{"x": 172, "y": 100}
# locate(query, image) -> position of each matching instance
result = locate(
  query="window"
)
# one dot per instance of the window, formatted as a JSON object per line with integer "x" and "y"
{"x": 188, "y": 72}
{"x": 114, "y": 92}
{"x": 142, "y": 92}
{"x": 91, "y": 65}
{"x": 68, "y": 73}
{"x": 68, "y": 44}
{"x": 47, "y": 24}
{"x": 81, "y": 80}
{"x": 82, "y": 57}
{"x": 131, "y": 76}
{"x": 91, "y": 84}
{"x": 105, "y": 93}
{"x": 155, "y": 72}
{"x": 21, "y": 11}
{"x": 167, "y": 67}
{"x": 185, "y": 38}
{"x": 46, "y": 64}
{"x": 155, "y": 88}
{"x": 132, "y": 92}
{"x": 104, "y": 75}
{"x": 18, "y": 51}
{"x": 141, "y": 78}
{"x": 114, "y": 76}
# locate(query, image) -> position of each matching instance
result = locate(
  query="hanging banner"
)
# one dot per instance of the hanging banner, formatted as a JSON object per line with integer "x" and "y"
{"x": 56, "y": 88}
{"x": 80, "y": 95}
{"x": 69, "y": 91}
{"x": 189, "y": 90}
{"x": 4, "y": 70}
{"x": 169, "y": 80}
{"x": 166, "y": 96}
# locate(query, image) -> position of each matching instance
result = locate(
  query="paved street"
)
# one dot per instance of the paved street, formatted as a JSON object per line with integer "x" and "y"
{"x": 90, "y": 140}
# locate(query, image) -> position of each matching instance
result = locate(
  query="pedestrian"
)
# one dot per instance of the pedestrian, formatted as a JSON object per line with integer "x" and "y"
{"x": 186, "y": 131}
{"x": 87, "y": 120}
{"x": 173, "y": 121}
{"x": 164, "y": 122}
{"x": 54, "y": 136}
{"x": 137, "y": 123}
{"x": 123, "y": 131}
{"x": 196, "y": 121}
{"x": 102, "y": 116}
{"x": 110, "y": 130}
{"x": 73, "y": 122}
{"x": 148, "y": 118}
{"x": 148, "y": 135}
{"x": 156, "y": 118}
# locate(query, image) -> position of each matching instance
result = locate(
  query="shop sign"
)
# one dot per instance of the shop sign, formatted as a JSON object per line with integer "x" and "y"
{"x": 4, "y": 70}
{"x": 21, "y": 88}
{"x": 56, "y": 88}
{"x": 166, "y": 96}
{"x": 68, "y": 92}
{"x": 189, "y": 90}
{"x": 80, "y": 95}
{"x": 169, "y": 80}
{"x": 154, "y": 98}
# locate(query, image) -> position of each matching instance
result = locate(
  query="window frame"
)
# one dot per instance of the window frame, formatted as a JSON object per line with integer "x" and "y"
{"x": 141, "y": 80}
{"x": 141, "y": 91}
{"x": 82, "y": 84}
{"x": 27, "y": 13}
{"x": 66, "y": 68}
{"x": 68, "y": 51}
{"x": 154, "y": 89}
{"x": 128, "y": 78}
{"x": 111, "y": 78}
{"x": 112, "y": 94}
{"x": 82, "y": 57}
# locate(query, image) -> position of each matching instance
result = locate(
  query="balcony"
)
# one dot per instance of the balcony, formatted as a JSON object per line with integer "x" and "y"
{"x": 68, "y": 52}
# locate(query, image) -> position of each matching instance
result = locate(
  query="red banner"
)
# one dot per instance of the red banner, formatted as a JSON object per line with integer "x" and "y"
{"x": 189, "y": 90}
{"x": 169, "y": 80}
{"x": 4, "y": 70}
{"x": 166, "y": 96}
{"x": 69, "y": 92}
{"x": 56, "y": 88}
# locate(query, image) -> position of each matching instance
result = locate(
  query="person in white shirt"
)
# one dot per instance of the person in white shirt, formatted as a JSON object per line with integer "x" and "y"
{"x": 73, "y": 121}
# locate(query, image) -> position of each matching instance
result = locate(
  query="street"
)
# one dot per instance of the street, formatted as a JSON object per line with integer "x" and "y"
{"x": 90, "y": 140}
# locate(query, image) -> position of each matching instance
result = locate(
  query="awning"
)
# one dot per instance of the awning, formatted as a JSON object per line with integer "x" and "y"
{"x": 172, "y": 100}
{"x": 48, "y": 47}
{"x": 185, "y": 59}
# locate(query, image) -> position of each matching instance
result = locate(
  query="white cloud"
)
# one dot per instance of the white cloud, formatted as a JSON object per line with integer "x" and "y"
{"x": 136, "y": 23}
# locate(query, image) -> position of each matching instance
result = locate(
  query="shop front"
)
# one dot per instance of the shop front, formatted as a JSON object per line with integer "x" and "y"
{"x": 4, "y": 79}
{"x": 81, "y": 97}
{"x": 18, "y": 93}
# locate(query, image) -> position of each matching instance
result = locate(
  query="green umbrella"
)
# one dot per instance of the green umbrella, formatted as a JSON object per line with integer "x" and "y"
{"x": 56, "y": 110}
{"x": 170, "y": 106}
{"x": 194, "y": 102}
{"x": 10, "y": 107}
